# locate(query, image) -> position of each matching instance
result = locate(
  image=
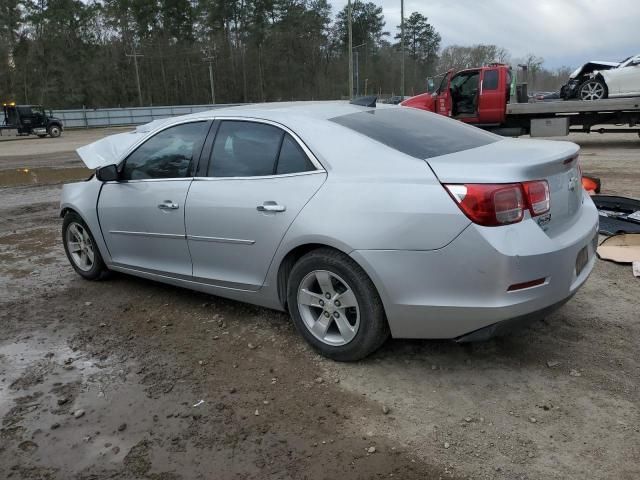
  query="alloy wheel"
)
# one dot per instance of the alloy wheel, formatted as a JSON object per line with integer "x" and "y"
{"x": 592, "y": 90}
{"x": 80, "y": 246}
{"x": 328, "y": 307}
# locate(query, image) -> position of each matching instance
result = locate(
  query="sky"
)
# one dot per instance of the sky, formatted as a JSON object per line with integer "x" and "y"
{"x": 563, "y": 32}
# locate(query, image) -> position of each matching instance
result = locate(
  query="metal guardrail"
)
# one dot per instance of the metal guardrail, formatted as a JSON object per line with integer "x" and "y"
{"x": 118, "y": 117}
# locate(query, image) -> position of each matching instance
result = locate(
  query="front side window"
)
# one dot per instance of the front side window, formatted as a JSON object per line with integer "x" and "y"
{"x": 251, "y": 149}
{"x": 167, "y": 154}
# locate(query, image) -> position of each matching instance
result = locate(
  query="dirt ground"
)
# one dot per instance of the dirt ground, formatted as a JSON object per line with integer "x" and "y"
{"x": 131, "y": 379}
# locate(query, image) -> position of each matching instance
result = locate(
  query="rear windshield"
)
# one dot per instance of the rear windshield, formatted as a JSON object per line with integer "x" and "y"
{"x": 415, "y": 132}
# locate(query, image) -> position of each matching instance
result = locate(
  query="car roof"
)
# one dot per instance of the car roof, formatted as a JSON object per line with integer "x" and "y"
{"x": 280, "y": 111}
{"x": 321, "y": 110}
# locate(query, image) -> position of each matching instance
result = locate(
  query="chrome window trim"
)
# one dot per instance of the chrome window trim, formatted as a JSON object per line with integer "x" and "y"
{"x": 258, "y": 177}
{"x": 310, "y": 155}
{"x": 314, "y": 160}
{"x": 139, "y": 180}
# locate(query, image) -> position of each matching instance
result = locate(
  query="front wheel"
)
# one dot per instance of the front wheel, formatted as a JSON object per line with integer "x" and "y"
{"x": 81, "y": 248}
{"x": 335, "y": 306}
{"x": 593, "y": 89}
{"x": 54, "y": 131}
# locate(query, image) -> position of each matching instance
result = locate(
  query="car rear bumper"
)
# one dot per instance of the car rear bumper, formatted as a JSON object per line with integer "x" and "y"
{"x": 462, "y": 288}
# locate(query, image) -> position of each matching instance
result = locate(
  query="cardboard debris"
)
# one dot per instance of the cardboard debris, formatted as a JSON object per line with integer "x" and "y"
{"x": 623, "y": 248}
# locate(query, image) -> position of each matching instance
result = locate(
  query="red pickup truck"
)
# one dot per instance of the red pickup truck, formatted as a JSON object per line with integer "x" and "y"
{"x": 476, "y": 95}
{"x": 482, "y": 97}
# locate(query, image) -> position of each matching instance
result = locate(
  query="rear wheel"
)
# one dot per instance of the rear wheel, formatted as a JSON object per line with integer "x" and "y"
{"x": 54, "y": 131}
{"x": 335, "y": 306}
{"x": 81, "y": 249}
{"x": 593, "y": 89}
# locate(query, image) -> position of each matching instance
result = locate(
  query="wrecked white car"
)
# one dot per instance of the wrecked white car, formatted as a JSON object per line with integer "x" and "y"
{"x": 597, "y": 80}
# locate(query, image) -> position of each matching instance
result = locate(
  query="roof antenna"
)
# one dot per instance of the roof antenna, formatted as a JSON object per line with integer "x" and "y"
{"x": 369, "y": 101}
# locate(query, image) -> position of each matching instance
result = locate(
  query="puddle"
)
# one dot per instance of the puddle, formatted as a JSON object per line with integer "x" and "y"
{"x": 44, "y": 382}
{"x": 41, "y": 176}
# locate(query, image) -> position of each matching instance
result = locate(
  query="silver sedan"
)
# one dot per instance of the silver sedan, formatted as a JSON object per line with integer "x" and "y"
{"x": 362, "y": 222}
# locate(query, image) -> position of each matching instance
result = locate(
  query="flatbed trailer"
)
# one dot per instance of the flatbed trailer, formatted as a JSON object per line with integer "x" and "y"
{"x": 577, "y": 115}
{"x": 482, "y": 97}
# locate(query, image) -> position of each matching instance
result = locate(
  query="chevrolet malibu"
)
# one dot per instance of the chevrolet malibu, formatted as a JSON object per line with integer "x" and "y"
{"x": 361, "y": 222}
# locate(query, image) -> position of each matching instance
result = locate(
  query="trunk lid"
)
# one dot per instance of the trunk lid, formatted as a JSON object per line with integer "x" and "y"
{"x": 520, "y": 160}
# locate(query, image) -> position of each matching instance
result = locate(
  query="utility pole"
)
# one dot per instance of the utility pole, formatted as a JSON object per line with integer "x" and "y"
{"x": 210, "y": 59}
{"x": 349, "y": 13}
{"x": 135, "y": 63}
{"x": 402, "y": 47}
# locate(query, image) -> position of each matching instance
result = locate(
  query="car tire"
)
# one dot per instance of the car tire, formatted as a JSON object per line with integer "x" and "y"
{"x": 81, "y": 248}
{"x": 54, "y": 131}
{"x": 339, "y": 331}
{"x": 593, "y": 89}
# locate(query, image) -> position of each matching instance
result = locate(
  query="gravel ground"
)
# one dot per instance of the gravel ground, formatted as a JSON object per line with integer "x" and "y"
{"x": 127, "y": 378}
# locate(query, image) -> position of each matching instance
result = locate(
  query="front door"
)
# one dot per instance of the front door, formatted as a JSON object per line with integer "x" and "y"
{"x": 258, "y": 179}
{"x": 443, "y": 98}
{"x": 142, "y": 214}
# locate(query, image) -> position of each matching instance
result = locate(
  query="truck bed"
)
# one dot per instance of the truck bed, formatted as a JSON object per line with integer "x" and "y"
{"x": 575, "y": 106}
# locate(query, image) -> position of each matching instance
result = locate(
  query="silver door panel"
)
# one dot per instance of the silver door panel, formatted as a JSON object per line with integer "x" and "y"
{"x": 232, "y": 242}
{"x": 139, "y": 231}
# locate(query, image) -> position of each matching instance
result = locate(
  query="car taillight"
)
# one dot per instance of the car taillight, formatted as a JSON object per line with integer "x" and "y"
{"x": 537, "y": 196}
{"x": 493, "y": 205}
{"x": 489, "y": 204}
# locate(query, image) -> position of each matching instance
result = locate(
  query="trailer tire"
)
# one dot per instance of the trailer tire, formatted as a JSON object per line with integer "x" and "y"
{"x": 54, "y": 131}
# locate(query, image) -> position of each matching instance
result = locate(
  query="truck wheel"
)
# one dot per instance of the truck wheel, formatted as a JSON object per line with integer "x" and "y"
{"x": 54, "y": 131}
{"x": 593, "y": 89}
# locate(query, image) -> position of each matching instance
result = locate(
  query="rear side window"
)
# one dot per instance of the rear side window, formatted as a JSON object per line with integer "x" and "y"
{"x": 168, "y": 154}
{"x": 490, "y": 81}
{"x": 252, "y": 149}
{"x": 415, "y": 132}
{"x": 245, "y": 149}
{"x": 292, "y": 159}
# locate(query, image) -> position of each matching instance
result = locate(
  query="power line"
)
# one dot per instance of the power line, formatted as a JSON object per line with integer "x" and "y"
{"x": 135, "y": 63}
{"x": 402, "y": 48}
{"x": 349, "y": 14}
{"x": 210, "y": 59}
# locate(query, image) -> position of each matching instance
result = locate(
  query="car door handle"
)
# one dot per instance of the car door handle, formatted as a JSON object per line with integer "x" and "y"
{"x": 271, "y": 206}
{"x": 168, "y": 205}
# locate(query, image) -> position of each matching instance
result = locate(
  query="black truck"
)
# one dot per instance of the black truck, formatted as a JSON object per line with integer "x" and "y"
{"x": 30, "y": 120}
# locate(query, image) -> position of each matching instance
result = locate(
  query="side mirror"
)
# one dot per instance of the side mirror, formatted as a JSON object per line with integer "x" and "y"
{"x": 108, "y": 173}
{"x": 431, "y": 86}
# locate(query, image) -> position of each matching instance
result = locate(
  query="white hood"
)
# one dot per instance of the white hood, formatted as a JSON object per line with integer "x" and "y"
{"x": 597, "y": 63}
{"x": 111, "y": 149}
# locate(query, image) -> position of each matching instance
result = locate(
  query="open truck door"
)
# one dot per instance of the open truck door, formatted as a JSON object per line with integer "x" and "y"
{"x": 443, "y": 95}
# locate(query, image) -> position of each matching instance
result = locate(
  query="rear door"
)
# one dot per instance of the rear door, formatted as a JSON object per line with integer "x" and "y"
{"x": 142, "y": 214}
{"x": 491, "y": 104}
{"x": 258, "y": 178}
